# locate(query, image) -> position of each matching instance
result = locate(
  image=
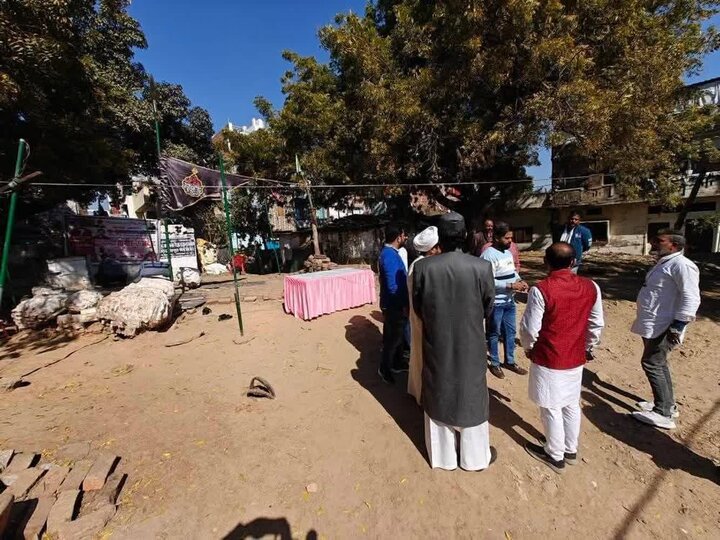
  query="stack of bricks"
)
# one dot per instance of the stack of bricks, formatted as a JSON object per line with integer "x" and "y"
{"x": 62, "y": 501}
{"x": 317, "y": 263}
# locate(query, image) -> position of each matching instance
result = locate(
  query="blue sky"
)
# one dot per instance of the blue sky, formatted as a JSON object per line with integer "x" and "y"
{"x": 226, "y": 52}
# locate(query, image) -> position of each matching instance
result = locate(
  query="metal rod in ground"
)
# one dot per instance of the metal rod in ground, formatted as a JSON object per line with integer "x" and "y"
{"x": 10, "y": 219}
{"x": 159, "y": 206}
{"x": 230, "y": 243}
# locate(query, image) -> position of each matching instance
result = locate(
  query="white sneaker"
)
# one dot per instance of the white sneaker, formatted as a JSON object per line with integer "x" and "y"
{"x": 654, "y": 419}
{"x": 648, "y": 406}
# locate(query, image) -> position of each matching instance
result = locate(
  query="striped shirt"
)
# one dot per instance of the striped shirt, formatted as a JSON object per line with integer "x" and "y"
{"x": 504, "y": 273}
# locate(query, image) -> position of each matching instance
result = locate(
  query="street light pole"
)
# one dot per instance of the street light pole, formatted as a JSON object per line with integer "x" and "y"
{"x": 11, "y": 216}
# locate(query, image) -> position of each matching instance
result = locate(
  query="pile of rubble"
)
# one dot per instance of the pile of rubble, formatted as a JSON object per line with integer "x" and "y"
{"x": 317, "y": 263}
{"x": 61, "y": 500}
{"x": 70, "y": 300}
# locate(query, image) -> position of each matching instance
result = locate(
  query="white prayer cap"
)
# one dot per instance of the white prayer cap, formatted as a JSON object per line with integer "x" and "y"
{"x": 427, "y": 239}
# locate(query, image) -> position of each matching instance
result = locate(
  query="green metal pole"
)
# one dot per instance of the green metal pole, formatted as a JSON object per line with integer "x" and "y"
{"x": 165, "y": 225}
{"x": 10, "y": 219}
{"x": 230, "y": 243}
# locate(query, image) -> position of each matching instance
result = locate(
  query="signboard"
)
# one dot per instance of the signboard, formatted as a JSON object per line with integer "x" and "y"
{"x": 272, "y": 244}
{"x": 123, "y": 240}
{"x": 183, "y": 248}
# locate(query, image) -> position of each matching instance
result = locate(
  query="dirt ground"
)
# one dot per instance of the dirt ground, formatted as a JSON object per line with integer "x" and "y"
{"x": 205, "y": 461}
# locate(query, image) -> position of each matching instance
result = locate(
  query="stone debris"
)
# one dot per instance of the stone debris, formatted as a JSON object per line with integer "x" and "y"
{"x": 39, "y": 310}
{"x": 82, "y": 301}
{"x": 146, "y": 305}
{"x": 20, "y": 462}
{"x": 5, "y": 457}
{"x": 69, "y": 273}
{"x": 61, "y": 502}
{"x": 100, "y": 470}
{"x": 191, "y": 278}
{"x": 317, "y": 263}
{"x": 8, "y": 384}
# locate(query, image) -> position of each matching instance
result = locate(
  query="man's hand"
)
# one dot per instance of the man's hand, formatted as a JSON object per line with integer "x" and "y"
{"x": 674, "y": 337}
{"x": 519, "y": 286}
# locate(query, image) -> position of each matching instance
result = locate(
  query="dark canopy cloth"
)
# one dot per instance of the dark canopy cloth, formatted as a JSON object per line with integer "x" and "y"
{"x": 183, "y": 184}
{"x": 452, "y": 293}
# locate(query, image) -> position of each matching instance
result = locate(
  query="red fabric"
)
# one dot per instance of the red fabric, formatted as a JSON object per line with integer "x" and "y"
{"x": 568, "y": 302}
{"x": 513, "y": 250}
{"x": 238, "y": 262}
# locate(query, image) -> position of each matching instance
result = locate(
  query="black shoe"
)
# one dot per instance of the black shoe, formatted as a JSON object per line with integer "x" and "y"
{"x": 497, "y": 371}
{"x": 386, "y": 376}
{"x": 515, "y": 369}
{"x": 570, "y": 459}
{"x": 493, "y": 455}
{"x": 538, "y": 452}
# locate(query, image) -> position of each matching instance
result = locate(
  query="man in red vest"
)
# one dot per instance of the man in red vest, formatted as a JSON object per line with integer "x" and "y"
{"x": 561, "y": 324}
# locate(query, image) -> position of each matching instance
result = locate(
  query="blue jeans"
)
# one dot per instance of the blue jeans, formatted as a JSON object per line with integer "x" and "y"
{"x": 502, "y": 322}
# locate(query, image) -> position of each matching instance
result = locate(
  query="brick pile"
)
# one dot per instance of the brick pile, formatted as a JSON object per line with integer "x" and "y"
{"x": 61, "y": 501}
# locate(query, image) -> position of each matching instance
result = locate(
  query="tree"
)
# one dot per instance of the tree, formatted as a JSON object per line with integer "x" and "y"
{"x": 419, "y": 91}
{"x": 69, "y": 85}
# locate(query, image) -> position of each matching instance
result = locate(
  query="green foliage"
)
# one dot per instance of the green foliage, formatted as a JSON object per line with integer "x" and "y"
{"x": 419, "y": 90}
{"x": 69, "y": 85}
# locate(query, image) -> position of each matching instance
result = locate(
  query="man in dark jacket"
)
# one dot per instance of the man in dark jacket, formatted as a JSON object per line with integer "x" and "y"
{"x": 393, "y": 302}
{"x": 452, "y": 293}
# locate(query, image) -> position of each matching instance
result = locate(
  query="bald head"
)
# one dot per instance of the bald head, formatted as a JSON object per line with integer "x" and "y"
{"x": 559, "y": 256}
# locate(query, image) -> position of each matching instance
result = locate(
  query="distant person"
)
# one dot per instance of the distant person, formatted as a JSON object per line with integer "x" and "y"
{"x": 501, "y": 324}
{"x": 452, "y": 293}
{"x": 393, "y": 302}
{"x": 667, "y": 302}
{"x": 488, "y": 237}
{"x": 578, "y": 236}
{"x": 561, "y": 325}
{"x": 426, "y": 244}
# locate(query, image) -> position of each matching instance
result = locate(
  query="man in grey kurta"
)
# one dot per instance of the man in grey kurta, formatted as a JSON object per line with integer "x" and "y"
{"x": 452, "y": 294}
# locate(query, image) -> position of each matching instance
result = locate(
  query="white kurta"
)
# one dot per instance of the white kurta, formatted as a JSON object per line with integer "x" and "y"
{"x": 548, "y": 387}
{"x": 416, "y": 329}
{"x": 442, "y": 446}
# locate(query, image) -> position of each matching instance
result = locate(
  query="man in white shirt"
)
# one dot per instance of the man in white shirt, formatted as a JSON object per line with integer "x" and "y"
{"x": 667, "y": 302}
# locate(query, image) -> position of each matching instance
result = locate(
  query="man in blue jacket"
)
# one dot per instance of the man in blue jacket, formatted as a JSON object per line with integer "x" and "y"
{"x": 578, "y": 236}
{"x": 393, "y": 302}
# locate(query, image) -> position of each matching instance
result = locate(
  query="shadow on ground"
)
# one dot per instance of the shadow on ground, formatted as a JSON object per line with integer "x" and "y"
{"x": 40, "y": 342}
{"x": 366, "y": 337}
{"x": 278, "y": 528}
{"x": 666, "y": 452}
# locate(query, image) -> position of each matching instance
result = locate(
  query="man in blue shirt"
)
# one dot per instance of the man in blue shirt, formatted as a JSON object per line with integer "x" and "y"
{"x": 394, "y": 302}
{"x": 578, "y": 236}
{"x": 501, "y": 323}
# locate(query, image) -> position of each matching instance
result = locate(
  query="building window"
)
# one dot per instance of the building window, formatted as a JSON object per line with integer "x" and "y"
{"x": 600, "y": 230}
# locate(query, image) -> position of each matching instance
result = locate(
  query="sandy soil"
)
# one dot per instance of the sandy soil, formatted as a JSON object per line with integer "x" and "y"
{"x": 205, "y": 461}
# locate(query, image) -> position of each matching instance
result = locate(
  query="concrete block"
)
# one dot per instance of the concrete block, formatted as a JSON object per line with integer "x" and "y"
{"x": 5, "y": 457}
{"x": 100, "y": 470}
{"x": 109, "y": 493}
{"x": 62, "y": 511}
{"x": 25, "y": 481}
{"x": 86, "y": 527}
{"x": 50, "y": 483}
{"x": 35, "y": 525}
{"x": 20, "y": 462}
{"x": 6, "y": 502}
{"x": 77, "y": 474}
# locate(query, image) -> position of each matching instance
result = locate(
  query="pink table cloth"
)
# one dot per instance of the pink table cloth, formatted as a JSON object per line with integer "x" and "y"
{"x": 310, "y": 295}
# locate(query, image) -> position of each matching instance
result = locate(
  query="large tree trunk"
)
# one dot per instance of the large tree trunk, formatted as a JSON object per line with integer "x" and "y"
{"x": 690, "y": 200}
